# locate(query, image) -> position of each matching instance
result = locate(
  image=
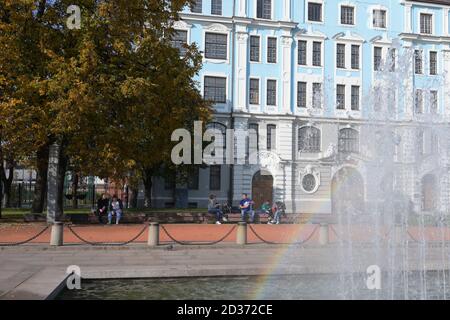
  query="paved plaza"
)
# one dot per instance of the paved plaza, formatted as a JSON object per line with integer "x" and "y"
{"x": 38, "y": 271}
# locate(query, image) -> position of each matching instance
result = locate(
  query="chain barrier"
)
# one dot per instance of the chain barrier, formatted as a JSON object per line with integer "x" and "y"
{"x": 283, "y": 243}
{"x": 12, "y": 244}
{"x": 186, "y": 243}
{"x": 106, "y": 243}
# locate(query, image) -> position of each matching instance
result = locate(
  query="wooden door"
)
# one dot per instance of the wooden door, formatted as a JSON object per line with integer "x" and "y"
{"x": 262, "y": 189}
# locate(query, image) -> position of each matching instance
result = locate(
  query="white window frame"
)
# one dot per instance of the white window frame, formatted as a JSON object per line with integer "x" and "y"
{"x": 227, "y": 86}
{"x": 433, "y": 22}
{"x": 371, "y": 11}
{"x": 347, "y": 4}
{"x": 429, "y": 62}
{"x": 422, "y": 52}
{"x": 309, "y": 79}
{"x": 323, "y": 11}
{"x": 255, "y": 11}
{"x": 310, "y": 39}
{"x": 267, "y": 106}
{"x": 260, "y": 47}
{"x": 266, "y": 47}
{"x": 259, "y": 93}
{"x": 219, "y": 29}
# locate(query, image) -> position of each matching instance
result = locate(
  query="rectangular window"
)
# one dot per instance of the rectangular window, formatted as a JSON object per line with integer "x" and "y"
{"x": 271, "y": 137}
{"x": 264, "y": 9}
{"x": 340, "y": 97}
{"x": 301, "y": 94}
{"x": 216, "y": 46}
{"x": 315, "y": 12}
{"x": 252, "y": 139}
{"x": 340, "y": 56}
{"x": 433, "y": 101}
{"x": 379, "y": 18}
{"x": 193, "y": 178}
{"x": 179, "y": 41}
{"x": 271, "y": 92}
{"x": 254, "y": 48}
{"x": 197, "y": 6}
{"x": 355, "y": 57}
{"x": 317, "y": 95}
{"x": 433, "y": 62}
{"x": 347, "y": 15}
{"x": 317, "y": 54}
{"x": 419, "y": 101}
{"x": 302, "y": 52}
{"x": 355, "y": 98}
{"x": 254, "y": 91}
{"x": 216, "y": 7}
{"x": 215, "y": 89}
{"x": 418, "y": 61}
{"x": 214, "y": 177}
{"x": 272, "y": 50}
{"x": 426, "y": 23}
{"x": 377, "y": 57}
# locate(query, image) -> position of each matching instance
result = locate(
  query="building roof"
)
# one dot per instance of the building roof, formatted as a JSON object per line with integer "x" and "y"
{"x": 444, "y": 2}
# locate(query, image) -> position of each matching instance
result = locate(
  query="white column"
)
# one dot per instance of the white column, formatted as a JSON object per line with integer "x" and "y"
{"x": 287, "y": 10}
{"x": 446, "y": 86}
{"x": 241, "y": 71}
{"x": 445, "y": 19}
{"x": 242, "y": 6}
{"x": 408, "y": 85}
{"x": 408, "y": 22}
{"x": 286, "y": 58}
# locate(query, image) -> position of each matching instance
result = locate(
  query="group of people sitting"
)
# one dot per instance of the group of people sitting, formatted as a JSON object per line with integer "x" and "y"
{"x": 273, "y": 211}
{"x": 111, "y": 207}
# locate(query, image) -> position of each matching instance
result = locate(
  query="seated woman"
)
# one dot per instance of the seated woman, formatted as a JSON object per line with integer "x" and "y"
{"x": 214, "y": 208}
{"x": 266, "y": 209}
{"x": 277, "y": 210}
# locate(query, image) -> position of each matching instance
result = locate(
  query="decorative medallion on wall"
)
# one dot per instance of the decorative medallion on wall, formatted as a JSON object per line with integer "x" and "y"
{"x": 309, "y": 179}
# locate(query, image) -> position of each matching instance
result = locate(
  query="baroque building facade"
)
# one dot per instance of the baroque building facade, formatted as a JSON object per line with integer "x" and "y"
{"x": 322, "y": 82}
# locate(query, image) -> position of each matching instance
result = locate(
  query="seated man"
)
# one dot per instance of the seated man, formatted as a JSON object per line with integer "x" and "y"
{"x": 214, "y": 208}
{"x": 115, "y": 208}
{"x": 267, "y": 209}
{"x": 246, "y": 206}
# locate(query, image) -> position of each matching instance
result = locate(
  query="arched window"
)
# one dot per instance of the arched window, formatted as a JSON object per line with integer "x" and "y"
{"x": 308, "y": 139}
{"x": 348, "y": 140}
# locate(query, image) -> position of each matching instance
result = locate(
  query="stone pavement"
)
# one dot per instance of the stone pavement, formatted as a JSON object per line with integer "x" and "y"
{"x": 37, "y": 271}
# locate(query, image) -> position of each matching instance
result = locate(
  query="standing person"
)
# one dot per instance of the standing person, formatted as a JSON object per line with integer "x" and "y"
{"x": 102, "y": 207}
{"x": 214, "y": 208}
{"x": 115, "y": 208}
{"x": 246, "y": 208}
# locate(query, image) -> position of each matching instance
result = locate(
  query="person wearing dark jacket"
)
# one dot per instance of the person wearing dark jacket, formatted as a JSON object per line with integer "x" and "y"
{"x": 102, "y": 207}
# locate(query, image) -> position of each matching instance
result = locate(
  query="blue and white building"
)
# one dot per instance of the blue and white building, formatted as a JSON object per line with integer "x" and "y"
{"x": 315, "y": 79}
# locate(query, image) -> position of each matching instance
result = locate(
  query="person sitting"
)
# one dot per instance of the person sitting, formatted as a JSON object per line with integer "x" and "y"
{"x": 115, "y": 209}
{"x": 277, "y": 209}
{"x": 267, "y": 209}
{"x": 246, "y": 206}
{"x": 102, "y": 207}
{"x": 214, "y": 208}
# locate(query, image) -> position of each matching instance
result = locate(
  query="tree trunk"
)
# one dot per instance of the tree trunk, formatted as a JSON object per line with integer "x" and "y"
{"x": 75, "y": 179}
{"x": 40, "y": 187}
{"x": 134, "y": 197}
{"x": 61, "y": 174}
{"x": 7, "y": 183}
{"x": 148, "y": 174}
{"x": 1, "y": 194}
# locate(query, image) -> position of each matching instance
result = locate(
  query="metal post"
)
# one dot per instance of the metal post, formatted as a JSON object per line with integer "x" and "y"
{"x": 153, "y": 234}
{"x": 241, "y": 234}
{"x": 56, "y": 238}
{"x": 323, "y": 234}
